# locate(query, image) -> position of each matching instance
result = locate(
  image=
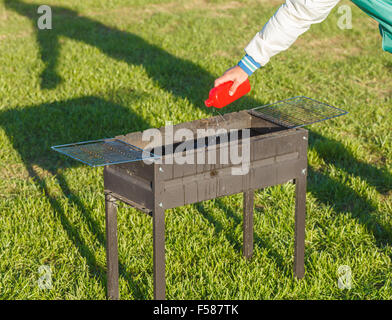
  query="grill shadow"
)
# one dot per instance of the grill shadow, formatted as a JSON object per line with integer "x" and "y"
{"x": 33, "y": 129}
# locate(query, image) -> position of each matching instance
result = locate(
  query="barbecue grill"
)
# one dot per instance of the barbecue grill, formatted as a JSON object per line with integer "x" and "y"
{"x": 147, "y": 177}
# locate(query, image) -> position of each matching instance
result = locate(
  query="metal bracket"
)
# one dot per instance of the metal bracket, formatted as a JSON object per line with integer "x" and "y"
{"x": 115, "y": 197}
{"x": 109, "y": 197}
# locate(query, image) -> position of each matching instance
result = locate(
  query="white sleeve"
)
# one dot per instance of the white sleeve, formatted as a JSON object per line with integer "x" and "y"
{"x": 290, "y": 21}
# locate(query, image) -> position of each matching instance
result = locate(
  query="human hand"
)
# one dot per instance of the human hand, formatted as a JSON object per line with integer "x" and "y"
{"x": 235, "y": 74}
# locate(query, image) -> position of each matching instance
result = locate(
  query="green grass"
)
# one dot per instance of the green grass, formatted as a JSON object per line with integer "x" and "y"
{"x": 113, "y": 67}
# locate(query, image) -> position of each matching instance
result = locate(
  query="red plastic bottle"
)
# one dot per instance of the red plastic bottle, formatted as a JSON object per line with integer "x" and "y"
{"x": 219, "y": 96}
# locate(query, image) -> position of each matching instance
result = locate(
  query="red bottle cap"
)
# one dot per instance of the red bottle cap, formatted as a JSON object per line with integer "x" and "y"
{"x": 209, "y": 102}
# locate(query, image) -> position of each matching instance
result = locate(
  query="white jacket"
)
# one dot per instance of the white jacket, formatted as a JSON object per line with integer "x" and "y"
{"x": 290, "y": 21}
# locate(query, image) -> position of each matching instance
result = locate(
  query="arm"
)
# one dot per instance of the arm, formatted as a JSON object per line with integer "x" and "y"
{"x": 291, "y": 20}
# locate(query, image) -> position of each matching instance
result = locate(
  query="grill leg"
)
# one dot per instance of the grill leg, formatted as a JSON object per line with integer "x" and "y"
{"x": 300, "y": 213}
{"x": 248, "y": 223}
{"x": 111, "y": 247}
{"x": 159, "y": 253}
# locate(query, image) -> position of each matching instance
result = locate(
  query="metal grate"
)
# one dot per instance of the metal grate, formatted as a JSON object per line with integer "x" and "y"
{"x": 297, "y": 112}
{"x": 103, "y": 152}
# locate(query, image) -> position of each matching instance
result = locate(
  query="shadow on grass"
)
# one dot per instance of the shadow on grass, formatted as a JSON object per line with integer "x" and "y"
{"x": 389, "y": 65}
{"x": 178, "y": 76}
{"x": 237, "y": 245}
{"x": 340, "y": 195}
{"x": 34, "y": 129}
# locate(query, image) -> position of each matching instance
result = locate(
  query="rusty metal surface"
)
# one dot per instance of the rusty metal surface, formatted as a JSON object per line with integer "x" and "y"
{"x": 299, "y": 235}
{"x": 248, "y": 203}
{"x": 158, "y": 222}
{"x": 111, "y": 247}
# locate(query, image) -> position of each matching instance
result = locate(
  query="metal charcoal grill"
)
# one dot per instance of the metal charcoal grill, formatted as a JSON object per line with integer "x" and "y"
{"x": 278, "y": 153}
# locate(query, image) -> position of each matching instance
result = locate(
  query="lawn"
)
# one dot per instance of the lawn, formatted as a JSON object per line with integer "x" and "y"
{"x": 112, "y": 67}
